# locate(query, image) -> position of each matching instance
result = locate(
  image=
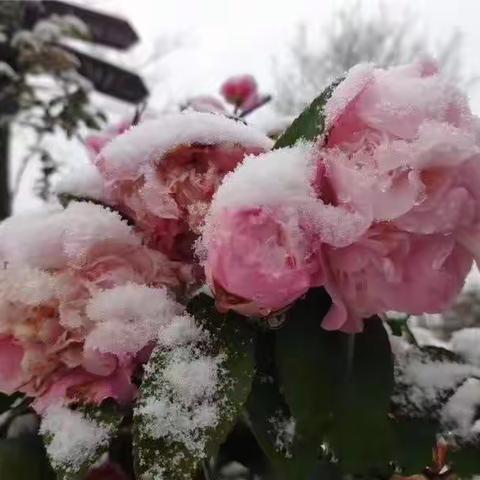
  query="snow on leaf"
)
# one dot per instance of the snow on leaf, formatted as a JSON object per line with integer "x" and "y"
{"x": 195, "y": 383}
{"x": 284, "y": 430}
{"x": 459, "y": 413}
{"x": 76, "y": 439}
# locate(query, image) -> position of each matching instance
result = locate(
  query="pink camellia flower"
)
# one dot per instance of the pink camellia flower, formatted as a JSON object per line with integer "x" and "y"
{"x": 260, "y": 238}
{"x": 259, "y": 263}
{"x": 240, "y": 91}
{"x": 81, "y": 302}
{"x": 383, "y": 210}
{"x": 402, "y": 149}
{"x": 163, "y": 174}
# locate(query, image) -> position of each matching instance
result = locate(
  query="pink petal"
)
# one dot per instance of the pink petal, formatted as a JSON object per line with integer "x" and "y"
{"x": 11, "y": 373}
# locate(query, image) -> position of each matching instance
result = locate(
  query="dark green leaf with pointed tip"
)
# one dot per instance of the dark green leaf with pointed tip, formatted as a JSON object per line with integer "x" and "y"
{"x": 361, "y": 437}
{"x": 337, "y": 386}
{"x": 310, "y": 123}
{"x": 292, "y": 457}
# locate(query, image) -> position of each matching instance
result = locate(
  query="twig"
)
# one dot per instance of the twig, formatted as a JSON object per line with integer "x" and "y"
{"x": 25, "y": 161}
{"x": 263, "y": 102}
{"x": 207, "y": 471}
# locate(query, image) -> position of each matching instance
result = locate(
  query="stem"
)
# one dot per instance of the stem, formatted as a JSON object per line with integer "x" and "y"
{"x": 410, "y": 335}
{"x": 4, "y": 171}
{"x": 350, "y": 354}
{"x": 207, "y": 471}
{"x": 25, "y": 161}
{"x": 264, "y": 101}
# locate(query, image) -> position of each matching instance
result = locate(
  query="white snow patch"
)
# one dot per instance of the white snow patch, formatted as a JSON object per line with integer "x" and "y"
{"x": 48, "y": 240}
{"x": 466, "y": 343}
{"x": 32, "y": 239}
{"x": 81, "y": 180}
{"x": 180, "y": 331}
{"x": 424, "y": 382}
{"x": 269, "y": 179}
{"x": 152, "y": 139}
{"x": 25, "y": 285}
{"x": 458, "y": 415}
{"x": 357, "y": 78}
{"x": 192, "y": 377}
{"x": 175, "y": 422}
{"x": 87, "y": 224}
{"x": 128, "y": 317}
{"x": 72, "y": 439}
{"x": 182, "y": 399}
{"x": 284, "y": 430}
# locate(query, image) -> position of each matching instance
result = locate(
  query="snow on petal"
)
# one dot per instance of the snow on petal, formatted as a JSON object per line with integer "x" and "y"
{"x": 151, "y": 140}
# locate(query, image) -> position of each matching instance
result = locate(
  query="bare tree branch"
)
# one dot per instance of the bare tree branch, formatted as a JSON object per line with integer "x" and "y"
{"x": 353, "y": 37}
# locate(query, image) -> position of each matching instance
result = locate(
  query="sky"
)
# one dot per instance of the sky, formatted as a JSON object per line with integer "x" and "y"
{"x": 219, "y": 38}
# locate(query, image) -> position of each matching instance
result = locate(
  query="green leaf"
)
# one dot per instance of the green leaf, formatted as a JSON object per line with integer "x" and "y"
{"x": 362, "y": 438}
{"x": 337, "y": 386}
{"x": 310, "y": 123}
{"x": 24, "y": 459}
{"x": 107, "y": 416}
{"x": 416, "y": 429}
{"x": 465, "y": 461}
{"x": 308, "y": 371}
{"x": 415, "y": 439}
{"x": 270, "y": 419}
{"x": 176, "y": 450}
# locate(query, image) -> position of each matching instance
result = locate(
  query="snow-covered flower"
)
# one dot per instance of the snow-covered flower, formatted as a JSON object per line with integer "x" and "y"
{"x": 259, "y": 242}
{"x": 402, "y": 150}
{"x": 81, "y": 303}
{"x": 163, "y": 174}
{"x": 384, "y": 208}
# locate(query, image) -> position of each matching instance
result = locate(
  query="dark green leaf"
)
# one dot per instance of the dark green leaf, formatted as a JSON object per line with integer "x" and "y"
{"x": 415, "y": 439}
{"x": 24, "y": 459}
{"x": 178, "y": 456}
{"x": 362, "y": 437}
{"x": 466, "y": 461}
{"x": 270, "y": 420}
{"x": 309, "y": 371}
{"x": 337, "y": 386}
{"x": 310, "y": 123}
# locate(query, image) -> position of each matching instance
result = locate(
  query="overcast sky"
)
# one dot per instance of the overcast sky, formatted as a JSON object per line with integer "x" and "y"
{"x": 224, "y": 37}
